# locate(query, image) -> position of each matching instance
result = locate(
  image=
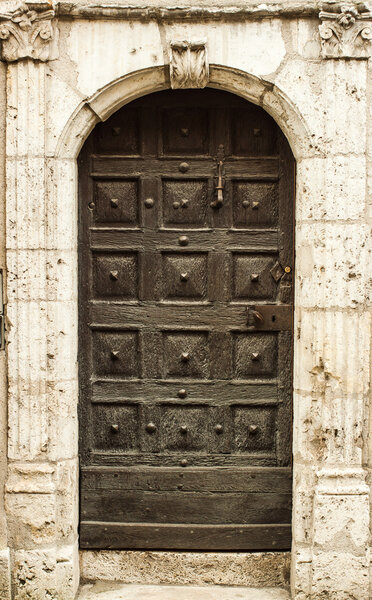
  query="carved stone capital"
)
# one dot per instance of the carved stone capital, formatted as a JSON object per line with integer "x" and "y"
{"x": 29, "y": 32}
{"x": 189, "y": 66}
{"x": 345, "y": 31}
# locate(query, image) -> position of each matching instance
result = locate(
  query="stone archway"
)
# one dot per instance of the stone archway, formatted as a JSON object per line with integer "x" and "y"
{"x": 101, "y": 105}
{"x": 115, "y": 95}
{"x": 41, "y": 240}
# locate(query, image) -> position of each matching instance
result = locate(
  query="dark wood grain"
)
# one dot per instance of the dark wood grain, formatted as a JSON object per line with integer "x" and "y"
{"x": 204, "y": 393}
{"x": 133, "y": 507}
{"x": 244, "y": 169}
{"x": 117, "y": 536}
{"x": 244, "y": 479}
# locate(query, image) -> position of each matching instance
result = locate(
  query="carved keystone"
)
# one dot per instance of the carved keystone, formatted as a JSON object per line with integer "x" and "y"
{"x": 345, "y": 31}
{"x": 188, "y": 64}
{"x": 29, "y": 32}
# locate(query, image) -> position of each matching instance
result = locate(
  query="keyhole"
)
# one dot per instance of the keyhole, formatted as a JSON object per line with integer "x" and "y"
{"x": 273, "y": 318}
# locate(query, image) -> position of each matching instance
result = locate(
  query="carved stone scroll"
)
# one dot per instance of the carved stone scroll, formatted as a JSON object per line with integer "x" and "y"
{"x": 29, "y": 32}
{"x": 345, "y": 31}
{"x": 189, "y": 65}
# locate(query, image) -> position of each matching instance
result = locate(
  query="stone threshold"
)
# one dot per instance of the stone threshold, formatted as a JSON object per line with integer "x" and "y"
{"x": 106, "y": 590}
{"x": 151, "y": 567}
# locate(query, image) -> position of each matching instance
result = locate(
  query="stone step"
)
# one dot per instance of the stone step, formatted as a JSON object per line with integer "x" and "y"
{"x": 151, "y": 567}
{"x": 106, "y": 590}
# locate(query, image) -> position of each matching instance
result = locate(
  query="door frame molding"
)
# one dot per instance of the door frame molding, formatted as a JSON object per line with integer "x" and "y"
{"x": 101, "y": 105}
{"x": 321, "y": 490}
{"x": 109, "y": 99}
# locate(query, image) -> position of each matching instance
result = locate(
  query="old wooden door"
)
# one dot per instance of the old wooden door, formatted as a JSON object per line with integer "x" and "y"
{"x": 185, "y": 338}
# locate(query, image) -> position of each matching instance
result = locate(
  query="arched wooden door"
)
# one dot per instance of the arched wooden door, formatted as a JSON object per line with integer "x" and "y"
{"x": 185, "y": 326}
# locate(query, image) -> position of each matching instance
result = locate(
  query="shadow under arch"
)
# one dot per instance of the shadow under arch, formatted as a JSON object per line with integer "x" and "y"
{"x": 101, "y": 105}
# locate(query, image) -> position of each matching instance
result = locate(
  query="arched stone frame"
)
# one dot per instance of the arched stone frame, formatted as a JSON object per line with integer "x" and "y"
{"x": 116, "y": 94}
{"x": 62, "y": 179}
{"x": 101, "y": 105}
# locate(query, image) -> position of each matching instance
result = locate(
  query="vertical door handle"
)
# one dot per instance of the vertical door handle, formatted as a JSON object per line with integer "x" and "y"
{"x": 218, "y": 201}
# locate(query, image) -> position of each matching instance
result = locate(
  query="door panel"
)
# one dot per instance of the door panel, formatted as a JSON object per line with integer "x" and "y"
{"x": 185, "y": 388}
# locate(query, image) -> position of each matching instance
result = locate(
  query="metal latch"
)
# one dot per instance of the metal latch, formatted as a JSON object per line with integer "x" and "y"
{"x": 2, "y": 312}
{"x": 270, "y": 317}
{"x": 218, "y": 201}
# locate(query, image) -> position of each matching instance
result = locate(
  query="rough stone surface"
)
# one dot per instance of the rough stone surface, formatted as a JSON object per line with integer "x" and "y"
{"x": 4, "y": 550}
{"x": 111, "y": 591}
{"x": 258, "y": 569}
{"x": 5, "y": 582}
{"x": 324, "y": 107}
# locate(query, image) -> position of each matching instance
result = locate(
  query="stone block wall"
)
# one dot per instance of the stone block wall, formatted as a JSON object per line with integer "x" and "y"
{"x": 66, "y": 66}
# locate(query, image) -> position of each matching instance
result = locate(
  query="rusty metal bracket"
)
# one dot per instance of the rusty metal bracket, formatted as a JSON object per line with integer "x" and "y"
{"x": 270, "y": 317}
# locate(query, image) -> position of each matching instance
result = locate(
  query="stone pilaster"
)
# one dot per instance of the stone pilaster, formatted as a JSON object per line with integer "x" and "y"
{"x": 41, "y": 489}
{"x": 331, "y": 525}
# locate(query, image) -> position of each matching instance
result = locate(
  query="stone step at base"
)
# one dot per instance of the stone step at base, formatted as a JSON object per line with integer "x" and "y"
{"x": 244, "y": 569}
{"x": 105, "y": 590}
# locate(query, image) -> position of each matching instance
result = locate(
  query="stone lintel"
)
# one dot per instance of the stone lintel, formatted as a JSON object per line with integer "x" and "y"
{"x": 70, "y": 9}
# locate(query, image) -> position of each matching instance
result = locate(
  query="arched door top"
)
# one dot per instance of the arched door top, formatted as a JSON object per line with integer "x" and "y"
{"x": 117, "y": 93}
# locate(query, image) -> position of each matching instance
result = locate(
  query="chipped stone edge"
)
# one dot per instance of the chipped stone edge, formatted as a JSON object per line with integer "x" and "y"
{"x": 67, "y": 9}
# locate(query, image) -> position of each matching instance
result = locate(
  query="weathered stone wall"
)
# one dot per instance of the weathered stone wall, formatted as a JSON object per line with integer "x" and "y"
{"x": 320, "y": 94}
{"x": 367, "y": 449}
{"x": 4, "y": 549}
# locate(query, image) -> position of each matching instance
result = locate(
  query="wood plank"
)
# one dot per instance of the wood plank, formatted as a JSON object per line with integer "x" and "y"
{"x": 264, "y": 241}
{"x": 126, "y": 536}
{"x": 113, "y": 457}
{"x": 185, "y": 507}
{"x": 179, "y": 315}
{"x": 201, "y": 392}
{"x": 118, "y": 167}
{"x": 243, "y": 479}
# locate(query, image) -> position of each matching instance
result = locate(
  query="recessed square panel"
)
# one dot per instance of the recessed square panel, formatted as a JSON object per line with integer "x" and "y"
{"x": 119, "y": 134}
{"x": 185, "y": 131}
{"x": 115, "y": 275}
{"x": 115, "y": 427}
{"x": 115, "y": 353}
{"x": 185, "y": 276}
{"x": 252, "y": 278}
{"x": 116, "y": 201}
{"x": 254, "y": 428}
{"x": 185, "y": 202}
{"x": 254, "y": 132}
{"x": 255, "y": 355}
{"x": 184, "y": 428}
{"x": 186, "y": 354}
{"x": 255, "y": 204}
